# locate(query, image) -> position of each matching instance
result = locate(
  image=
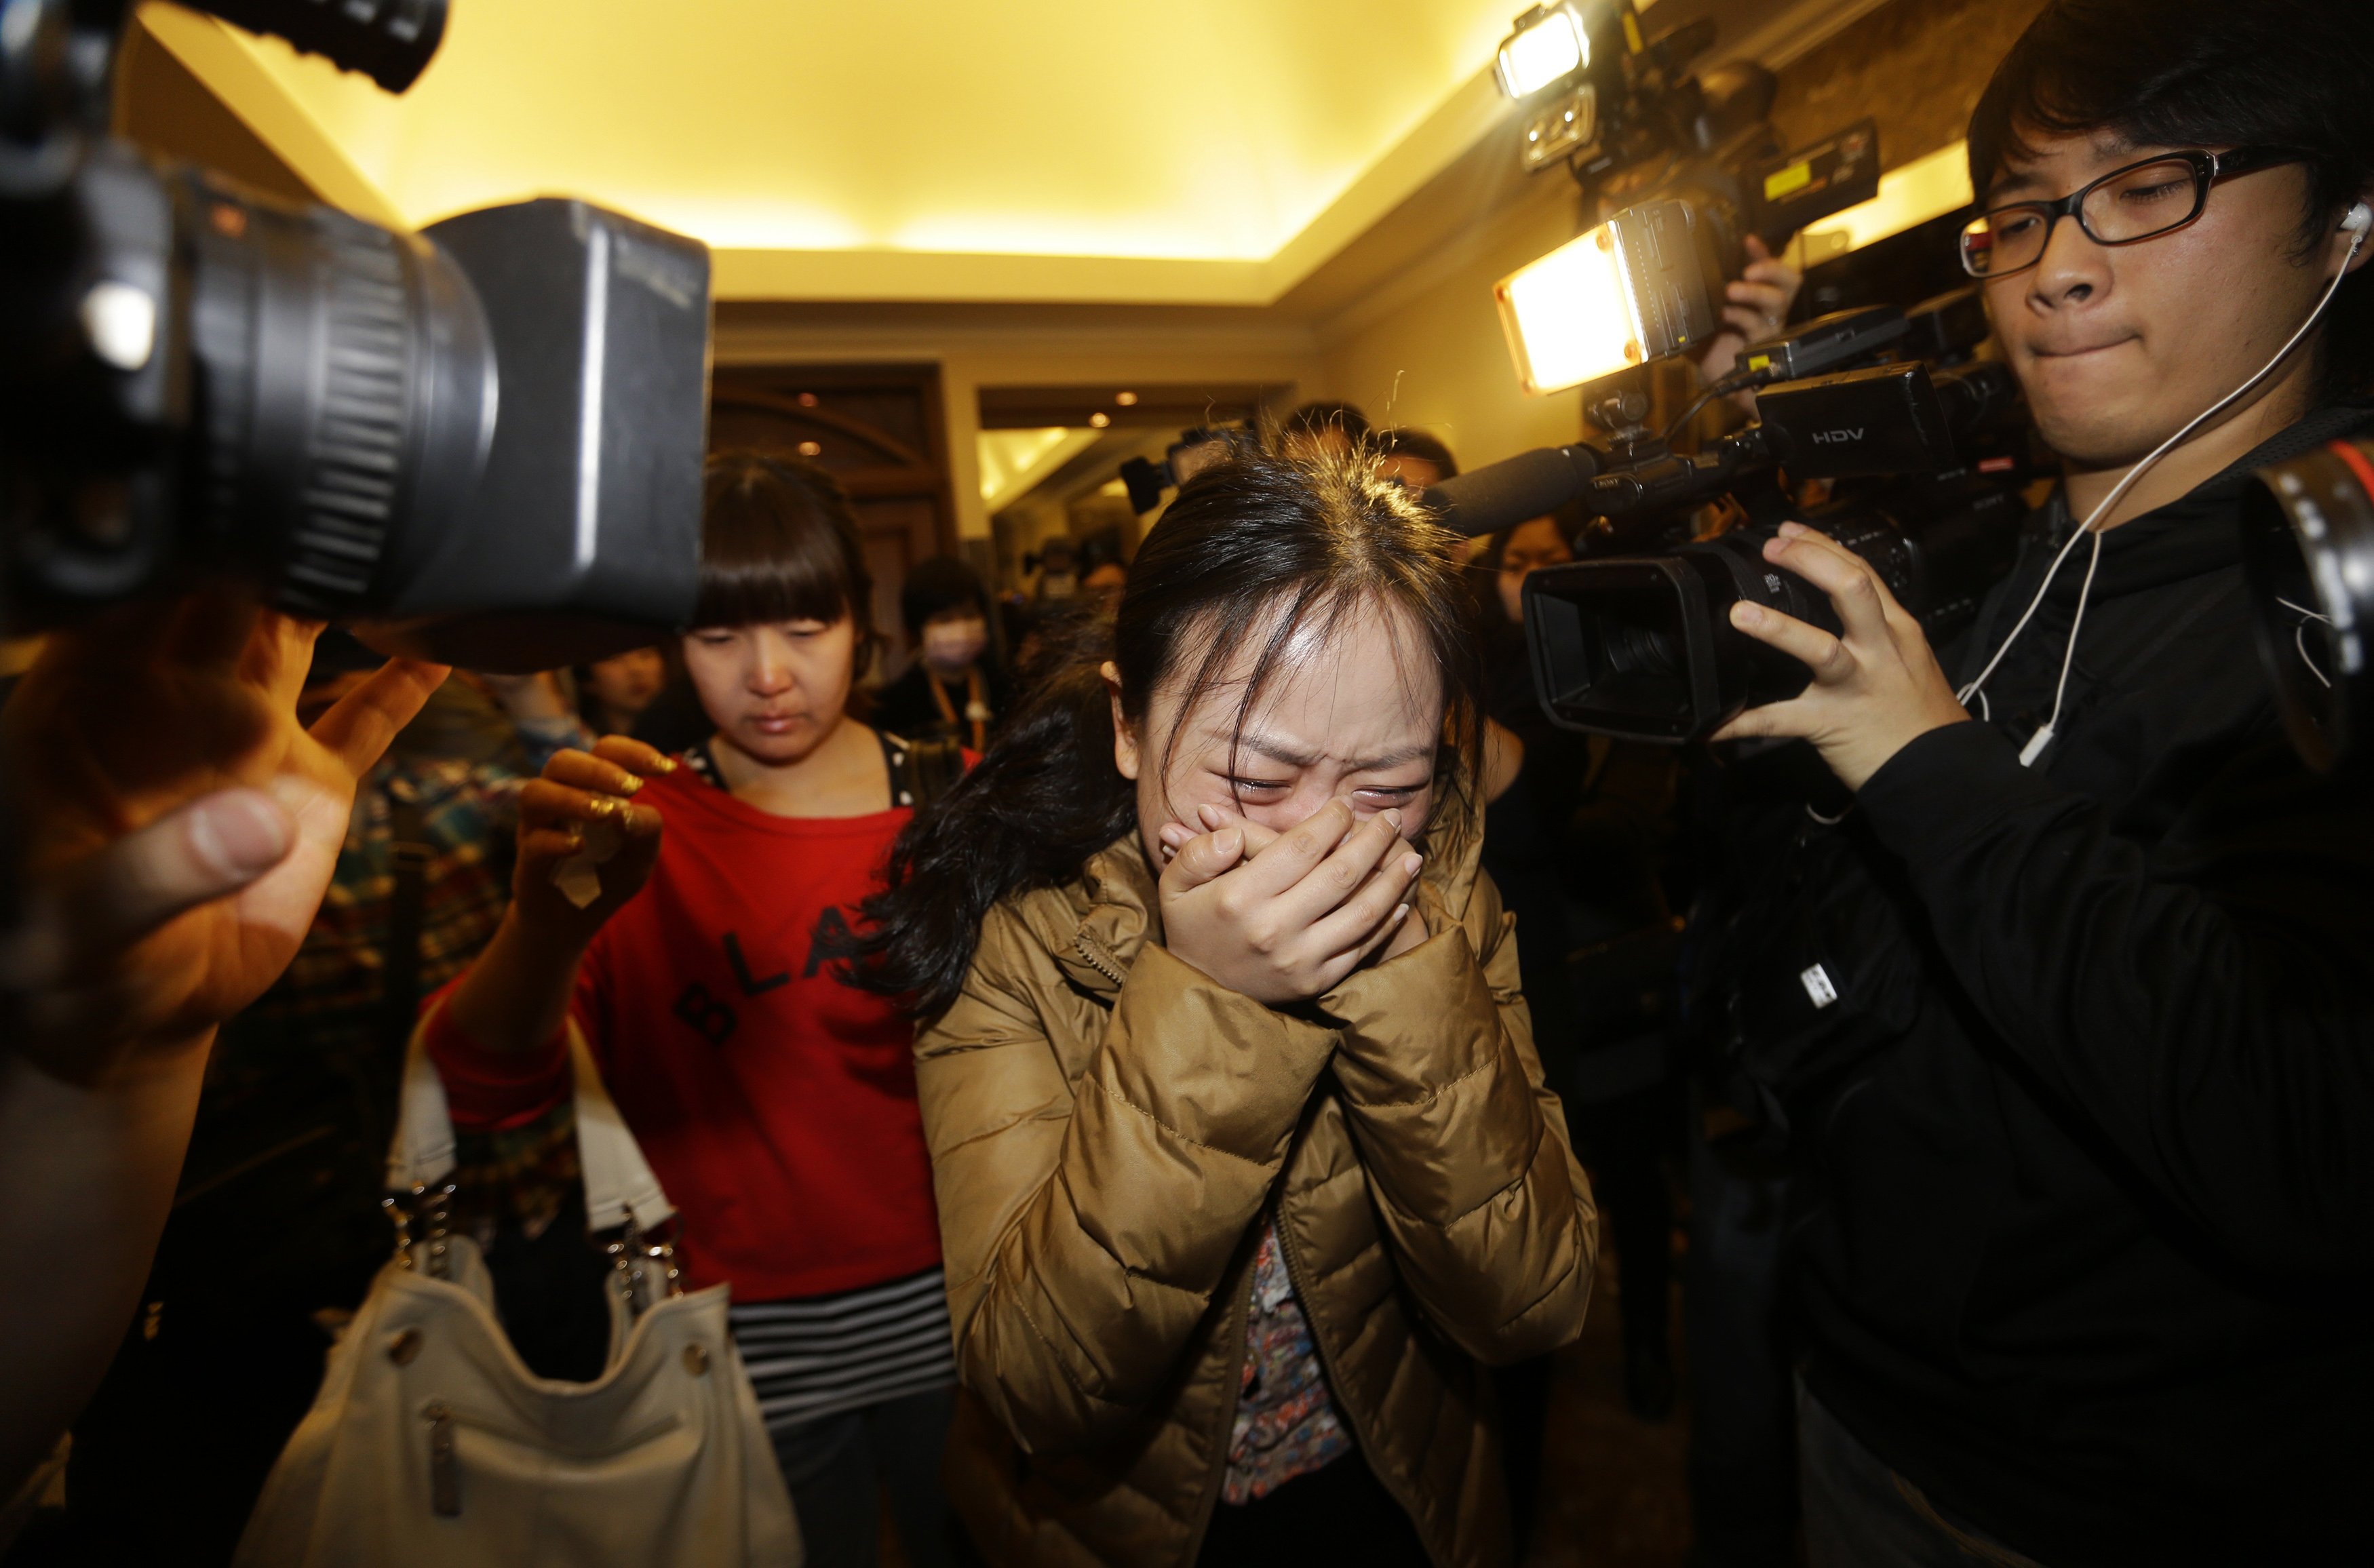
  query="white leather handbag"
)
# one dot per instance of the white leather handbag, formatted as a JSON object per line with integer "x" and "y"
{"x": 432, "y": 1444}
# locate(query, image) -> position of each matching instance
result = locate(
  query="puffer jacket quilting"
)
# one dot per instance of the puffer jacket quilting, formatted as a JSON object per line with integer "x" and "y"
{"x": 1107, "y": 1126}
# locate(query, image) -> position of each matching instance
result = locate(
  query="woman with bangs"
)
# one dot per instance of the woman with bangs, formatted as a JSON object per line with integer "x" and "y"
{"x": 1246, "y": 1168}
{"x": 684, "y": 913}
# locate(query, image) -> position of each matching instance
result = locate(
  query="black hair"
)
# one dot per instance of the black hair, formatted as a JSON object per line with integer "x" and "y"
{"x": 2295, "y": 73}
{"x": 1322, "y": 414}
{"x": 1252, "y": 551}
{"x": 1419, "y": 445}
{"x": 589, "y": 709}
{"x": 1570, "y": 520}
{"x": 936, "y": 587}
{"x": 778, "y": 542}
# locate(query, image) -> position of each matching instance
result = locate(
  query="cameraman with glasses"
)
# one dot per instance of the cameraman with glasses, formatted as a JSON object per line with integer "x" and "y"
{"x": 2070, "y": 1016}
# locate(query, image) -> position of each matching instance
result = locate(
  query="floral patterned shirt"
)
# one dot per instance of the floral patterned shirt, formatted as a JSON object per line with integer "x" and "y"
{"x": 1287, "y": 1426}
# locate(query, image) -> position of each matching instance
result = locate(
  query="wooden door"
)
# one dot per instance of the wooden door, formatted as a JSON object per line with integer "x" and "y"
{"x": 878, "y": 430}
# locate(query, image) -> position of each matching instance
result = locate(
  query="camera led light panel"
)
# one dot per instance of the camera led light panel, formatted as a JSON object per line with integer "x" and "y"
{"x": 1548, "y": 45}
{"x": 1631, "y": 290}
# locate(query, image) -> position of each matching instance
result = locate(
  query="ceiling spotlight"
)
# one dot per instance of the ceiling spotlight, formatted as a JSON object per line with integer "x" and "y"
{"x": 1098, "y": 421}
{"x": 1127, "y": 399}
{"x": 1549, "y": 44}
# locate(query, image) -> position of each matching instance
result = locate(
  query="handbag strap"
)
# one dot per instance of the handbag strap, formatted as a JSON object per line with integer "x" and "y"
{"x": 619, "y": 1186}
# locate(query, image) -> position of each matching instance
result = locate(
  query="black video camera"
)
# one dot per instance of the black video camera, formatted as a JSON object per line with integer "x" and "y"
{"x": 1635, "y": 638}
{"x": 1622, "y": 110}
{"x": 484, "y": 440}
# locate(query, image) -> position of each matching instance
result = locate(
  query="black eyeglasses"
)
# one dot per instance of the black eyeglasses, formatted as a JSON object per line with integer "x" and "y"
{"x": 2125, "y": 207}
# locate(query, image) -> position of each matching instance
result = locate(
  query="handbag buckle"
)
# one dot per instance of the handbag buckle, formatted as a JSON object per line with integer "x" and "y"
{"x": 638, "y": 1255}
{"x": 432, "y": 1210}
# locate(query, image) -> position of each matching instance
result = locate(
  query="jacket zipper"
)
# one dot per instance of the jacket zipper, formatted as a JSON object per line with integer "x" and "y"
{"x": 1098, "y": 960}
{"x": 1327, "y": 1366}
{"x": 1239, "y": 1319}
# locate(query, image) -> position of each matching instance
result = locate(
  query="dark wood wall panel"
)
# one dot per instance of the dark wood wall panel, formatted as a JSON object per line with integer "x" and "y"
{"x": 876, "y": 429}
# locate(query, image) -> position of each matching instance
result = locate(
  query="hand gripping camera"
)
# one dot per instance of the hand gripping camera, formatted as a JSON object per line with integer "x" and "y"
{"x": 1635, "y": 638}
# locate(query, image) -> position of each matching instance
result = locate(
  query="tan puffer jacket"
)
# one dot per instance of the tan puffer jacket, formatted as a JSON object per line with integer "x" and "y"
{"x": 1107, "y": 1125}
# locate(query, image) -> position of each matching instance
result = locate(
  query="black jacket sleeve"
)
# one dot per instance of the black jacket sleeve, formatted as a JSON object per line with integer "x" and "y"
{"x": 2206, "y": 1002}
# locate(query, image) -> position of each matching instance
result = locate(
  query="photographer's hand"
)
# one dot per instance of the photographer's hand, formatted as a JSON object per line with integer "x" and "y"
{"x": 1874, "y": 689}
{"x": 1756, "y": 306}
{"x": 180, "y": 827}
{"x": 179, "y": 824}
{"x": 1289, "y": 922}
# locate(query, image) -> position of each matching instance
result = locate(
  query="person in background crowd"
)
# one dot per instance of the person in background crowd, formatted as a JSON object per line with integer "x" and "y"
{"x": 1743, "y": 1453}
{"x": 1413, "y": 457}
{"x": 1246, "y": 1167}
{"x": 1105, "y": 574}
{"x": 1053, "y": 571}
{"x": 277, "y": 1228}
{"x": 1323, "y": 429}
{"x": 953, "y": 689}
{"x": 612, "y": 693}
{"x": 776, "y": 1105}
{"x": 1575, "y": 836}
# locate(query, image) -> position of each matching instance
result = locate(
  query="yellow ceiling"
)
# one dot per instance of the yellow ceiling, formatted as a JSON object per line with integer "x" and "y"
{"x": 1119, "y": 149}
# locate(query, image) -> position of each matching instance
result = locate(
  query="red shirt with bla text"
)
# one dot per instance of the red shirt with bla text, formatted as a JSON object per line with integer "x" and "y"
{"x": 775, "y": 1103}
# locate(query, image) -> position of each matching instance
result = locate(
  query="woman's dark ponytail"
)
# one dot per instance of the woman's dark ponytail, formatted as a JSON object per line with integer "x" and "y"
{"x": 1045, "y": 799}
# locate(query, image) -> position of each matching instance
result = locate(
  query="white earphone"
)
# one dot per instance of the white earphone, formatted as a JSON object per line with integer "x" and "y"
{"x": 2359, "y": 220}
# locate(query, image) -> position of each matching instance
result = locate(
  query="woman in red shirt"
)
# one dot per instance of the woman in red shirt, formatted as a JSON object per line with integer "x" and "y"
{"x": 776, "y": 1105}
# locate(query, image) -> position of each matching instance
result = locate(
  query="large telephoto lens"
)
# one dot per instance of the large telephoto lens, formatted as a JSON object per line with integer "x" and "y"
{"x": 2308, "y": 527}
{"x": 344, "y": 388}
{"x": 1643, "y": 647}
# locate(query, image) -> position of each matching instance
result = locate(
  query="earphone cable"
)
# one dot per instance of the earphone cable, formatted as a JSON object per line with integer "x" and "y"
{"x": 2043, "y": 737}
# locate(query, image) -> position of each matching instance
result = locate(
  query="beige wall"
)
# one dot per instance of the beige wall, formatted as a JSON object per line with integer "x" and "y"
{"x": 1425, "y": 349}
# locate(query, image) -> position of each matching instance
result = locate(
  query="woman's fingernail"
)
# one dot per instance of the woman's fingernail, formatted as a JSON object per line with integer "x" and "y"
{"x": 1172, "y": 835}
{"x": 1394, "y": 817}
{"x": 1745, "y": 615}
{"x": 1211, "y": 816}
{"x": 669, "y": 765}
{"x": 1410, "y": 864}
{"x": 1401, "y": 913}
{"x": 632, "y": 784}
{"x": 1792, "y": 531}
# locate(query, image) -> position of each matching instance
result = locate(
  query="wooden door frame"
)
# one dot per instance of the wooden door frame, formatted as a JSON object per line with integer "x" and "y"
{"x": 923, "y": 473}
